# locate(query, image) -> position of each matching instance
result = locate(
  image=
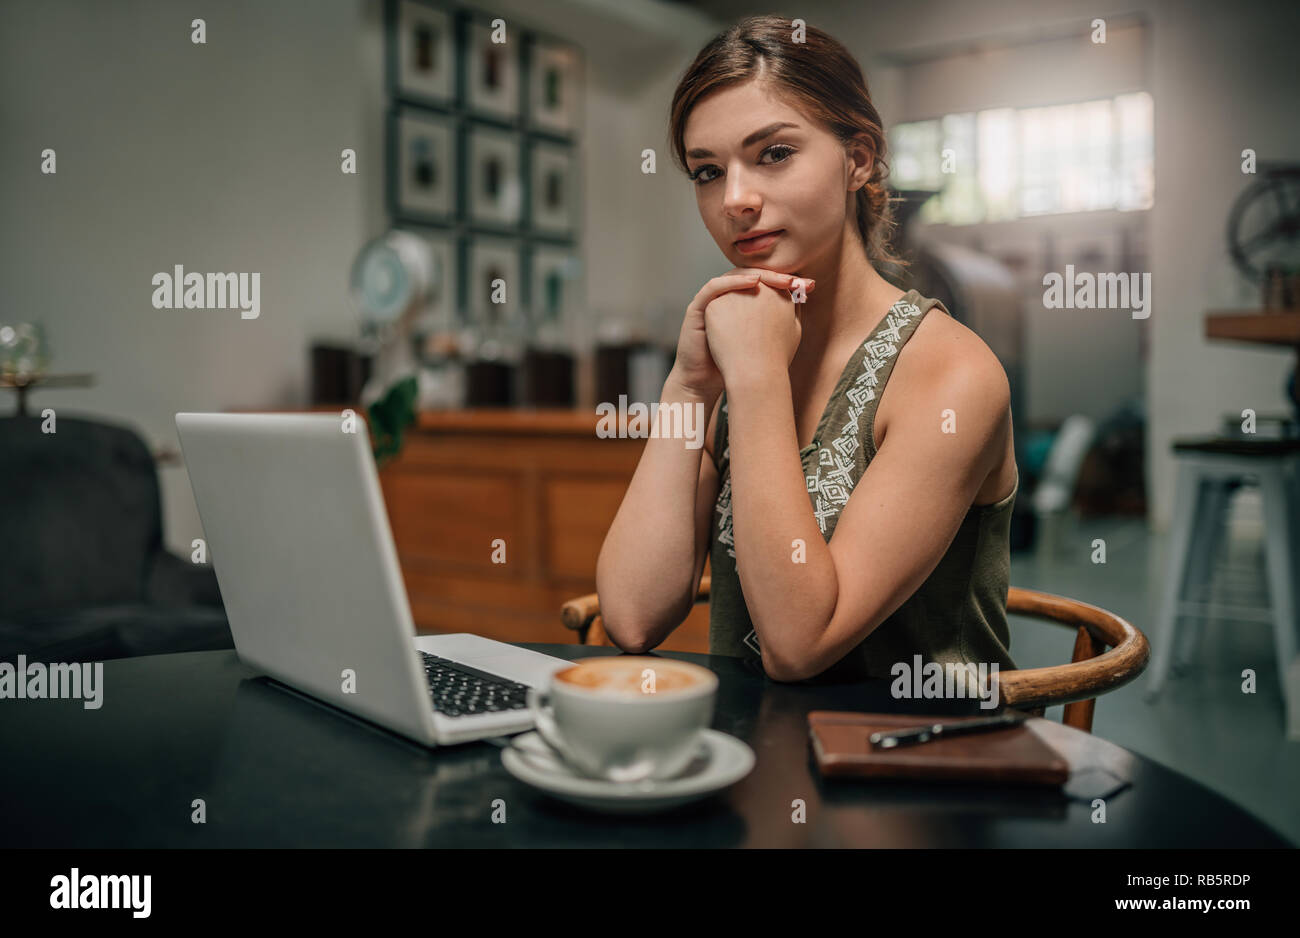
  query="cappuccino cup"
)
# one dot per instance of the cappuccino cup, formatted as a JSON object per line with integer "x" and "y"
{"x": 635, "y": 716}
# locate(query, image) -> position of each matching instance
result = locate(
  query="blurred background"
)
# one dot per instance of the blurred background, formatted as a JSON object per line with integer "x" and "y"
{"x": 386, "y": 167}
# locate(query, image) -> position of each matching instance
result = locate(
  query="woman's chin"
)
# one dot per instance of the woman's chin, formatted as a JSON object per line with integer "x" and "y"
{"x": 766, "y": 262}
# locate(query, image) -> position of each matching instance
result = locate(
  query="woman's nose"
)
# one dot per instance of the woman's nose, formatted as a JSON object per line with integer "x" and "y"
{"x": 740, "y": 194}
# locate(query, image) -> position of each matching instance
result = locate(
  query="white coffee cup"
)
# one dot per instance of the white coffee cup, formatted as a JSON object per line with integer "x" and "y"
{"x": 626, "y": 717}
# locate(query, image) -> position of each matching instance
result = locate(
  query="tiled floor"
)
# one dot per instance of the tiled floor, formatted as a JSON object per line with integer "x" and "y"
{"x": 1202, "y": 724}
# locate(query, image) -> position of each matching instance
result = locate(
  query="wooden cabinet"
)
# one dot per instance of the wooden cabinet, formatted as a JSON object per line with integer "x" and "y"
{"x": 538, "y": 484}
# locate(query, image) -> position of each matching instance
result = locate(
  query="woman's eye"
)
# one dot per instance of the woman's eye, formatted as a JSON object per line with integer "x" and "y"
{"x": 780, "y": 150}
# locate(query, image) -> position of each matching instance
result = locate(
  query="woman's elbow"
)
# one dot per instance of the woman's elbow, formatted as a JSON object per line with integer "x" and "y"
{"x": 628, "y": 638}
{"x": 787, "y": 670}
{"x": 636, "y": 629}
{"x": 793, "y": 663}
{"x": 625, "y": 627}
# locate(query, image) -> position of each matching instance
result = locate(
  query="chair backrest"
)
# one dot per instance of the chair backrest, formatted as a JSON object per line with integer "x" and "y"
{"x": 1092, "y": 670}
{"x": 80, "y": 516}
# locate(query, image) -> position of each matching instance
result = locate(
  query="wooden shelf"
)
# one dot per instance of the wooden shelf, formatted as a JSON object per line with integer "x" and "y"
{"x": 515, "y": 420}
{"x": 1278, "y": 327}
{"x": 539, "y": 480}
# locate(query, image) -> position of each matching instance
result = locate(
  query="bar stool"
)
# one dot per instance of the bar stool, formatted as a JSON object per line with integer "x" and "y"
{"x": 1209, "y": 471}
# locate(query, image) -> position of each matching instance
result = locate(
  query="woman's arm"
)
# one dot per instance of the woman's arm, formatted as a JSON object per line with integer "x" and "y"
{"x": 651, "y": 561}
{"x": 811, "y": 601}
{"x": 649, "y": 567}
{"x": 897, "y": 525}
{"x": 784, "y": 566}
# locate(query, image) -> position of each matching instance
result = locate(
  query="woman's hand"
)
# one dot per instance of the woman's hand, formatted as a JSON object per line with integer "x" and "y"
{"x": 695, "y": 368}
{"x": 753, "y": 333}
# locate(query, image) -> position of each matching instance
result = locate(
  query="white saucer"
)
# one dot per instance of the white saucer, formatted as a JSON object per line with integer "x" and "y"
{"x": 726, "y": 761}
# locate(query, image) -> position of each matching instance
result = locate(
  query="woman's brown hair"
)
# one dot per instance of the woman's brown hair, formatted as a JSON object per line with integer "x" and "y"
{"x": 820, "y": 75}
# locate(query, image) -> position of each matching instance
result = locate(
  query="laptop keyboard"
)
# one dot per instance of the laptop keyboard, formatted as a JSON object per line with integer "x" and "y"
{"x": 458, "y": 690}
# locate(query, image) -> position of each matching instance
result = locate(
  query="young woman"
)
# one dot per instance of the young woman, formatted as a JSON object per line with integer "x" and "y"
{"x": 847, "y": 528}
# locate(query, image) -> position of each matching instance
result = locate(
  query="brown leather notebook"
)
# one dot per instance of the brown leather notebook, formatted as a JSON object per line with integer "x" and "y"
{"x": 1015, "y": 754}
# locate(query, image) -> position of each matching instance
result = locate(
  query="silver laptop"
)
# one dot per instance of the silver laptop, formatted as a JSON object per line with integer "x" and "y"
{"x": 297, "y": 533}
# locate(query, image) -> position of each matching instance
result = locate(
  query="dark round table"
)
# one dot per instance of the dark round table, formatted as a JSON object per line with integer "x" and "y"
{"x": 276, "y": 770}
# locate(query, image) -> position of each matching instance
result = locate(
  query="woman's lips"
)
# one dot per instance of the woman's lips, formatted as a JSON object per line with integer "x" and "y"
{"x": 761, "y": 243}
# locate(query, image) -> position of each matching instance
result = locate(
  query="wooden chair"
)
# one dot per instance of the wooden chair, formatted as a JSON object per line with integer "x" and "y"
{"x": 1092, "y": 670}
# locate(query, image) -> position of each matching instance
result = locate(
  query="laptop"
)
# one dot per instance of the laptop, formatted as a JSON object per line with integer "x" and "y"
{"x": 298, "y": 535}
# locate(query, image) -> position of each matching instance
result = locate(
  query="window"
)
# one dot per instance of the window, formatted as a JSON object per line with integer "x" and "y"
{"x": 1007, "y": 163}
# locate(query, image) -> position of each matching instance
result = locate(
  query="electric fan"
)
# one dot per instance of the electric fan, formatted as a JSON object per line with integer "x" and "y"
{"x": 1264, "y": 241}
{"x": 393, "y": 278}
{"x": 1264, "y": 224}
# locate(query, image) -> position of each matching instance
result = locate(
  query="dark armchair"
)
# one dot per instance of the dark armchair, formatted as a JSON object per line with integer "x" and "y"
{"x": 83, "y": 571}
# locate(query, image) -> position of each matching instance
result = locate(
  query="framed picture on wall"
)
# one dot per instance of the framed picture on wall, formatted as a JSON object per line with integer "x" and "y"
{"x": 424, "y": 174}
{"x": 553, "y": 291}
{"x": 492, "y": 68}
{"x": 496, "y": 190}
{"x": 425, "y": 61}
{"x": 554, "y": 188}
{"x": 554, "y": 87}
{"x": 494, "y": 285}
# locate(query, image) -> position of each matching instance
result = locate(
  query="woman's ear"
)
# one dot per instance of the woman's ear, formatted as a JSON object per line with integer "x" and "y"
{"x": 861, "y": 161}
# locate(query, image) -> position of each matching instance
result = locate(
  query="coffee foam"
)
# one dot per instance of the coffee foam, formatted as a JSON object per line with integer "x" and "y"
{"x": 628, "y": 678}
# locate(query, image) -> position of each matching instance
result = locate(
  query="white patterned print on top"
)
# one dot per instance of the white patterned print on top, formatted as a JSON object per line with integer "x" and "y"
{"x": 832, "y": 480}
{"x": 723, "y": 505}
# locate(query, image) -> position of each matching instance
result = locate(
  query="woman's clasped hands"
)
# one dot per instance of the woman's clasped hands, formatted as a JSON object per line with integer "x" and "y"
{"x": 741, "y": 326}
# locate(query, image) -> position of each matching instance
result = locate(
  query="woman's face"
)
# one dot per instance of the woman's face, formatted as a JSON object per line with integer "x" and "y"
{"x": 750, "y": 177}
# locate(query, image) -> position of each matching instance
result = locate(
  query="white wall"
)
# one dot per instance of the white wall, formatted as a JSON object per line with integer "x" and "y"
{"x": 1031, "y": 70}
{"x": 225, "y": 157}
{"x": 220, "y": 157}
{"x": 1223, "y": 78}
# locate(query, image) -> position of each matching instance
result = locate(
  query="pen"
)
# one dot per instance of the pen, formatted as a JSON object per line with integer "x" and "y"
{"x": 910, "y": 736}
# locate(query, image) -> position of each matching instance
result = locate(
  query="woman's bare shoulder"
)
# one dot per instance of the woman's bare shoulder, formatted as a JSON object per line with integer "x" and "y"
{"x": 942, "y": 349}
{"x": 941, "y": 343}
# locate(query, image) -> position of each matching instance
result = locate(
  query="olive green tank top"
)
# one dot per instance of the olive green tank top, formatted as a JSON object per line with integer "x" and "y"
{"x": 959, "y": 614}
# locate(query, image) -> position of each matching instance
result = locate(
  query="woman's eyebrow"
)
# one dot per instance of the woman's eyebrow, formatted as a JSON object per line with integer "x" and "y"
{"x": 699, "y": 154}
